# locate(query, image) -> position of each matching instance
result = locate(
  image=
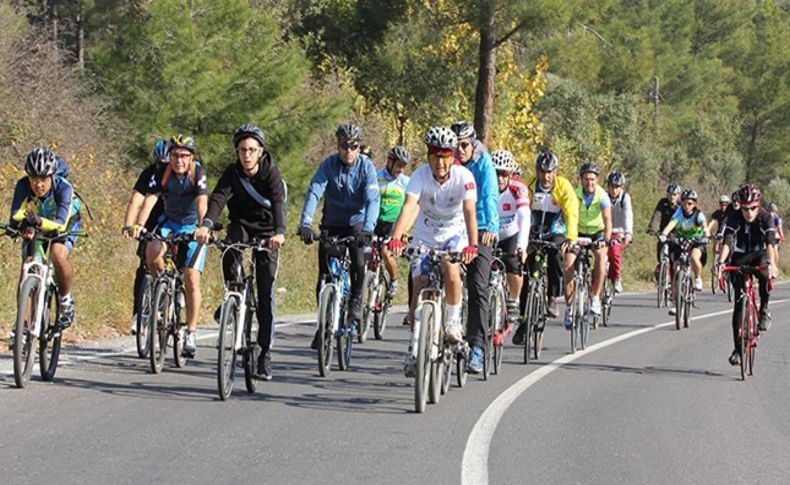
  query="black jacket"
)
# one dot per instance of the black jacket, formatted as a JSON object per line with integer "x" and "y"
{"x": 243, "y": 209}
{"x": 750, "y": 237}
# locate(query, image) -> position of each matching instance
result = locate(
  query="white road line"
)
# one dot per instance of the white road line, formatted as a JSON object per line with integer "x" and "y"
{"x": 474, "y": 467}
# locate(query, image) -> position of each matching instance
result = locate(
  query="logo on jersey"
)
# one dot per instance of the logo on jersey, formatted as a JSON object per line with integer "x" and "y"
{"x": 470, "y": 186}
{"x": 506, "y": 206}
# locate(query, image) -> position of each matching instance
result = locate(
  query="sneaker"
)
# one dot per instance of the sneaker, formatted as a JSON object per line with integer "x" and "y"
{"x": 475, "y": 365}
{"x": 735, "y": 358}
{"x": 393, "y": 289}
{"x": 190, "y": 345}
{"x": 765, "y": 321}
{"x": 618, "y": 286}
{"x": 512, "y": 310}
{"x": 356, "y": 310}
{"x": 595, "y": 306}
{"x": 316, "y": 341}
{"x": 551, "y": 309}
{"x": 698, "y": 283}
{"x": 133, "y": 327}
{"x": 66, "y": 314}
{"x": 518, "y": 335}
{"x": 263, "y": 371}
{"x": 406, "y": 322}
{"x": 454, "y": 333}
{"x": 568, "y": 320}
{"x": 410, "y": 365}
{"x": 673, "y": 311}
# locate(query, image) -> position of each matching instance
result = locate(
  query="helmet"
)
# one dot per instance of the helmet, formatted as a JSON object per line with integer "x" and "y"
{"x": 161, "y": 148}
{"x": 673, "y": 188}
{"x": 615, "y": 178}
{"x": 441, "y": 137}
{"x": 348, "y": 132}
{"x": 41, "y": 162}
{"x": 248, "y": 130}
{"x": 463, "y": 129}
{"x": 724, "y": 199}
{"x": 546, "y": 161}
{"x": 749, "y": 193}
{"x": 734, "y": 197}
{"x": 399, "y": 154}
{"x": 589, "y": 167}
{"x": 503, "y": 161}
{"x": 773, "y": 207}
{"x": 688, "y": 194}
{"x": 183, "y": 141}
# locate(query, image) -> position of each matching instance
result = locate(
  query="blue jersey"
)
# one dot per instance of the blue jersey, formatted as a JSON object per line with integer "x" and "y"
{"x": 351, "y": 194}
{"x": 487, "y": 206}
{"x": 180, "y": 192}
{"x": 56, "y": 208}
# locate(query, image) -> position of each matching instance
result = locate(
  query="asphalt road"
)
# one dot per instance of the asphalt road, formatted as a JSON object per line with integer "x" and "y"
{"x": 646, "y": 404}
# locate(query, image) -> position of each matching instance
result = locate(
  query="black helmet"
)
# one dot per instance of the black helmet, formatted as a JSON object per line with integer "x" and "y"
{"x": 463, "y": 129}
{"x": 546, "y": 161}
{"x": 183, "y": 141}
{"x": 248, "y": 130}
{"x": 749, "y": 193}
{"x": 589, "y": 167}
{"x": 615, "y": 178}
{"x": 348, "y": 132}
{"x": 399, "y": 154}
{"x": 673, "y": 188}
{"x": 41, "y": 162}
{"x": 689, "y": 194}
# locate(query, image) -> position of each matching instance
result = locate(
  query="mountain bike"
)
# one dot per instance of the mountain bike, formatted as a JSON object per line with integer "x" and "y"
{"x": 582, "y": 274}
{"x": 375, "y": 296}
{"x": 38, "y": 308}
{"x": 685, "y": 294}
{"x": 238, "y": 327}
{"x": 334, "y": 325}
{"x": 145, "y": 321}
{"x": 169, "y": 307}
{"x": 663, "y": 287}
{"x": 747, "y": 329}
{"x": 499, "y": 326}
{"x": 434, "y": 355}
{"x": 535, "y": 310}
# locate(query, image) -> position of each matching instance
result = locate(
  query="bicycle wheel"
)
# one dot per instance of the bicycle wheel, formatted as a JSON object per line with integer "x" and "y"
{"x": 713, "y": 281}
{"x": 326, "y": 339}
{"x": 689, "y": 292}
{"x": 606, "y": 302}
{"x": 49, "y": 341}
{"x": 345, "y": 339}
{"x": 539, "y": 323}
{"x": 421, "y": 378}
{"x": 159, "y": 332}
{"x": 496, "y": 336}
{"x": 679, "y": 298}
{"x": 23, "y": 340}
{"x": 584, "y": 321}
{"x": 226, "y": 348}
{"x": 368, "y": 306}
{"x": 383, "y": 302}
{"x": 251, "y": 352}
{"x": 144, "y": 321}
{"x": 179, "y": 330}
{"x": 576, "y": 310}
{"x": 447, "y": 368}
{"x": 743, "y": 348}
{"x": 729, "y": 288}
{"x": 460, "y": 367}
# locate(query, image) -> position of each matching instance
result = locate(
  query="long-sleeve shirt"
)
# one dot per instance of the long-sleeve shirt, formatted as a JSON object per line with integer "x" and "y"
{"x": 55, "y": 208}
{"x": 622, "y": 215}
{"x": 351, "y": 194}
{"x": 265, "y": 217}
{"x": 487, "y": 205}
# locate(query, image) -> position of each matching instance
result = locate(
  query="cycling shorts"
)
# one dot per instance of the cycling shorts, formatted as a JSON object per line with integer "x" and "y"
{"x": 68, "y": 241}
{"x": 509, "y": 247}
{"x": 674, "y": 253}
{"x": 420, "y": 265}
{"x": 190, "y": 254}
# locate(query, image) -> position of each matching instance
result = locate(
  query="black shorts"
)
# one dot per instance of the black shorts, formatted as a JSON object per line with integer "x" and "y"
{"x": 509, "y": 249}
{"x": 674, "y": 253}
{"x": 384, "y": 229}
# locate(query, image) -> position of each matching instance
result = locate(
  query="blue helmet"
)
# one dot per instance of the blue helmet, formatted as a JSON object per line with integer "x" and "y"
{"x": 161, "y": 150}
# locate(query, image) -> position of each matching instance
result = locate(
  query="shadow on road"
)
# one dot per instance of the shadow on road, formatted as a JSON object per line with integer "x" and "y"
{"x": 650, "y": 371}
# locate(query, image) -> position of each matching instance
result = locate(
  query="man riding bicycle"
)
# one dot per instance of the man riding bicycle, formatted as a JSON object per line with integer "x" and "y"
{"x": 474, "y": 156}
{"x": 595, "y": 223}
{"x": 139, "y": 191}
{"x": 441, "y": 197}
{"x": 688, "y": 222}
{"x": 555, "y": 216}
{"x": 255, "y": 194}
{"x": 514, "y": 225}
{"x": 780, "y": 232}
{"x": 351, "y": 207}
{"x": 622, "y": 226}
{"x": 749, "y": 234}
{"x": 44, "y": 201}
{"x": 182, "y": 185}
{"x": 392, "y": 186}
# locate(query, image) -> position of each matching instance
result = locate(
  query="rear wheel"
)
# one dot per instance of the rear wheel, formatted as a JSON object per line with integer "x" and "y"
{"x": 23, "y": 340}
{"x": 383, "y": 303}
{"x": 447, "y": 369}
{"x": 159, "y": 332}
{"x": 368, "y": 310}
{"x": 421, "y": 378}
{"x": 226, "y": 355}
{"x": 144, "y": 321}
{"x": 50, "y": 340}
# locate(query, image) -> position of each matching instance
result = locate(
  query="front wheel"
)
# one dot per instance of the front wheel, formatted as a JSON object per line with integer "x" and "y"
{"x": 383, "y": 304}
{"x": 23, "y": 339}
{"x": 144, "y": 322}
{"x": 345, "y": 340}
{"x": 251, "y": 353}
{"x": 159, "y": 334}
{"x": 447, "y": 369}
{"x": 50, "y": 340}
{"x": 368, "y": 309}
{"x": 226, "y": 348}
{"x": 679, "y": 298}
{"x": 325, "y": 338}
{"x": 179, "y": 329}
{"x": 422, "y": 378}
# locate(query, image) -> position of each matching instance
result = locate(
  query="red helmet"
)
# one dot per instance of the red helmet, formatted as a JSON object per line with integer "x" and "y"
{"x": 749, "y": 193}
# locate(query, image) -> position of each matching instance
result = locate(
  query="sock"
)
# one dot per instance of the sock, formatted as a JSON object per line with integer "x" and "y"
{"x": 66, "y": 299}
{"x": 453, "y": 313}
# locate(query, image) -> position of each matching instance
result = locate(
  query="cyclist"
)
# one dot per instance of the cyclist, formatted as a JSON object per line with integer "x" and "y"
{"x": 514, "y": 225}
{"x": 182, "y": 185}
{"x": 555, "y": 217}
{"x": 622, "y": 226}
{"x": 780, "y": 232}
{"x": 392, "y": 186}
{"x": 595, "y": 222}
{"x": 139, "y": 191}
{"x": 474, "y": 156}
{"x": 255, "y": 194}
{"x": 688, "y": 222}
{"x": 351, "y": 207}
{"x": 717, "y": 223}
{"x": 749, "y": 235}
{"x": 441, "y": 197}
{"x": 45, "y": 201}
{"x": 665, "y": 209}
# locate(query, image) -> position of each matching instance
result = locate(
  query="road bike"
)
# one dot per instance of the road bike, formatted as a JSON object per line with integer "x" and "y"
{"x": 534, "y": 316}
{"x": 685, "y": 295}
{"x": 663, "y": 287}
{"x": 376, "y": 298}
{"x": 582, "y": 275}
{"x": 499, "y": 326}
{"x": 714, "y": 283}
{"x": 38, "y": 308}
{"x": 238, "y": 326}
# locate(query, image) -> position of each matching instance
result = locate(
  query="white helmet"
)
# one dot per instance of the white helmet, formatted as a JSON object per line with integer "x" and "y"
{"x": 41, "y": 162}
{"x": 441, "y": 137}
{"x": 503, "y": 161}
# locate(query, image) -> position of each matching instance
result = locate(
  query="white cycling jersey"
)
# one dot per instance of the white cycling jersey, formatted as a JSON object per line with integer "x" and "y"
{"x": 514, "y": 213}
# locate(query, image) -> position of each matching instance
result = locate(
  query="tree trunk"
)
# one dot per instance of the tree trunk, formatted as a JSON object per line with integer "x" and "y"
{"x": 53, "y": 21}
{"x": 401, "y": 128}
{"x": 81, "y": 38}
{"x": 486, "y": 73}
{"x": 751, "y": 150}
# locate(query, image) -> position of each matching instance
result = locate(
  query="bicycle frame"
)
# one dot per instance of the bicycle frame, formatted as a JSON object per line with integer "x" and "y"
{"x": 242, "y": 288}
{"x": 337, "y": 279}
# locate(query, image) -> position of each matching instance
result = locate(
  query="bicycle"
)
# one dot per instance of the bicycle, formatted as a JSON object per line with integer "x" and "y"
{"x": 499, "y": 326}
{"x": 333, "y": 305}
{"x": 607, "y": 295}
{"x": 375, "y": 296}
{"x": 535, "y": 310}
{"x": 238, "y": 329}
{"x": 144, "y": 322}
{"x": 582, "y": 274}
{"x": 748, "y": 330}
{"x": 714, "y": 283}
{"x": 435, "y": 356}
{"x": 663, "y": 288}
{"x": 685, "y": 294}
{"x": 168, "y": 310}
{"x": 37, "y": 301}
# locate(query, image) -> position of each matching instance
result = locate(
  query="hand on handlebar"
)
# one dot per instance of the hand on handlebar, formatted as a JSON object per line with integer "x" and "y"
{"x": 396, "y": 246}
{"x": 662, "y": 238}
{"x": 202, "y": 235}
{"x": 468, "y": 254}
{"x": 305, "y": 234}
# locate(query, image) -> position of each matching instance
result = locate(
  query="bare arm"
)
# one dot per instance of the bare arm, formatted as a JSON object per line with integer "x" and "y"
{"x": 607, "y": 223}
{"x": 201, "y": 201}
{"x": 145, "y": 211}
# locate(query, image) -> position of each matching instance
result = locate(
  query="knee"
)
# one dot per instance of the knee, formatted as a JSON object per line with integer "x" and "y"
{"x": 192, "y": 279}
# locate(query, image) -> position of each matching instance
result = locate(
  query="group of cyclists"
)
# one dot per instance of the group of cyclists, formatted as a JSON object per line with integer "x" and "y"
{"x": 464, "y": 200}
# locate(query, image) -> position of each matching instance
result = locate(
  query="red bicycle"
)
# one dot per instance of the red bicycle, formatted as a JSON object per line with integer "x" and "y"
{"x": 748, "y": 330}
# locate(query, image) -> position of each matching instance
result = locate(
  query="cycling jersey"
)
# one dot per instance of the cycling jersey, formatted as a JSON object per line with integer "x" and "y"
{"x": 750, "y": 237}
{"x": 622, "y": 214}
{"x": 393, "y": 193}
{"x": 514, "y": 213}
{"x": 665, "y": 210}
{"x": 179, "y": 192}
{"x": 141, "y": 187}
{"x": 590, "y": 210}
{"x": 57, "y": 209}
{"x": 351, "y": 194}
{"x": 482, "y": 169}
{"x": 555, "y": 211}
{"x": 441, "y": 216}
{"x": 689, "y": 227}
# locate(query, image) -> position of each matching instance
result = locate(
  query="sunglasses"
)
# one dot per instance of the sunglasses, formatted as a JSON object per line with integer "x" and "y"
{"x": 349, "y": 146}
{"x": 750, "y": 208}
{"x": 502, "y": 174}
{"x": 464, "y": 144}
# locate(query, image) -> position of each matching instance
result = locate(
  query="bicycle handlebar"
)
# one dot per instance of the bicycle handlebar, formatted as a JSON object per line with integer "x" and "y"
{"x": 13, "y": 232}
{"x": 746, "y": 270}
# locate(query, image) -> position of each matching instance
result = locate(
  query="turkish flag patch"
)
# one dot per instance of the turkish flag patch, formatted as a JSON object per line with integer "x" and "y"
{"x": 470, "y": 186}
{"x": 506, "y": 207}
